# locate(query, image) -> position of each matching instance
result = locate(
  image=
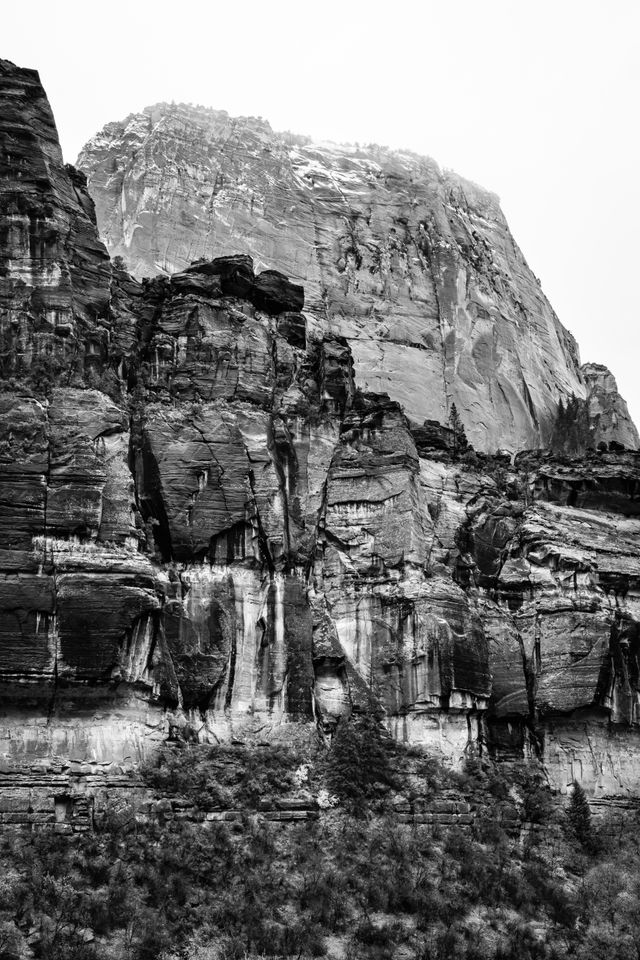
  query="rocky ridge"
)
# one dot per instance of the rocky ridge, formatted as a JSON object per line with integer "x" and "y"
{"x": 209, "y": 525}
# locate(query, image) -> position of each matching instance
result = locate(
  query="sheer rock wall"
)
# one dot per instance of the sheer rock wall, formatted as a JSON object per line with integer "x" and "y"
{"x": 209, "y": 526}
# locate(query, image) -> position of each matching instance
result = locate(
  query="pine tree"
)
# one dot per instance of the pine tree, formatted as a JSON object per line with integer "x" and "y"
{"x": 579, "y": 815}
{"x": 459, "y": 439}
{"x": 571, "y": 432}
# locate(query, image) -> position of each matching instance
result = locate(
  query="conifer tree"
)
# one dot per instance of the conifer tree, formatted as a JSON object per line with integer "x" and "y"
{"x": 579, "y": 815}
{"x": 360, "y": 766}
{"x": 571, "y": 430}
{"x": 460, "y": 442}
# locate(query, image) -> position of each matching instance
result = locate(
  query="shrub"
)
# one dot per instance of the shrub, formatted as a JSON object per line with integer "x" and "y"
{"x": 538, "y": 804}
{"x": 360, "y": 762}
{"x": 214, "y": 778}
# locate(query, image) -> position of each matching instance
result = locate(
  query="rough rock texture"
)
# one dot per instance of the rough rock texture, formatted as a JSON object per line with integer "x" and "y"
{"x": 608, "y": 413}
{"x": 414, "y": 266}
{"x": 53, "y": 269}
{"x": 209, "y": 527}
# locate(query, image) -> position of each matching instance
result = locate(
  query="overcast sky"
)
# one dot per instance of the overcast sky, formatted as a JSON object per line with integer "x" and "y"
{"x": 537, "y": 101}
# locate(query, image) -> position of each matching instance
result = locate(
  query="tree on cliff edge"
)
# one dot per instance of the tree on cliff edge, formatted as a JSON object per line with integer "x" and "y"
{"x": 360, "y": 765}
{"x": 571, "y": 434}
{"x": 579, "y": 816}
{"x": 459, "y": 438}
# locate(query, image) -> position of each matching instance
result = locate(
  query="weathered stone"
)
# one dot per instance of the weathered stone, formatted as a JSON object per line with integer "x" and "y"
{"x": 273, "y": 292}
{"x": 54, "y": 271}
{"x": 608, "y": 412}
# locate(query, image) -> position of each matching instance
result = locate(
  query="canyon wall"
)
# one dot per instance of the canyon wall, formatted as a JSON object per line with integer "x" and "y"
{"x": 416, "y": 267}
{"x": 213, "y": 527}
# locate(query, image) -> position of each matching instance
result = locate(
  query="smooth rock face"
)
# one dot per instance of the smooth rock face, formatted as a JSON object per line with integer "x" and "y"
{"x": 208, "y": 526}
{"x": 415, "y": 267}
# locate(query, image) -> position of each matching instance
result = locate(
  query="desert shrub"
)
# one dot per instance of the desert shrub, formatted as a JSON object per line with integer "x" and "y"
{"x": 374, "y": 939}
{"x": 152, "y": 936}
{"x": 471, "y": 460}
{"x": 487, "y": 828}
{"x": 222, "y": 777}
{"x": 429, "y": 771}
{"x": 106, "y": 380}
{"x": 538, "y": 802}
{"x": 12, "y": 944}
{"x": 46, "y": 372}
{"x": 322, "y": 895}
{"x": 360, "y": 763}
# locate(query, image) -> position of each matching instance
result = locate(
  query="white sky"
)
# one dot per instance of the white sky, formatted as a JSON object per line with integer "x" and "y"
{"x": 537, "y": 100}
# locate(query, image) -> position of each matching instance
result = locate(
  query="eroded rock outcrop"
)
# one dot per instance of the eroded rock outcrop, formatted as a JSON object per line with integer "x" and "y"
{"x": 54, "y": 270}
{"x": 608, "y": 412}
{"x": 208, "y": 525}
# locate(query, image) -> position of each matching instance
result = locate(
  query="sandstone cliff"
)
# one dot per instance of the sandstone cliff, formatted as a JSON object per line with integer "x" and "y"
{"x": 207, "y": 522}
{"x": 414, "y": 266}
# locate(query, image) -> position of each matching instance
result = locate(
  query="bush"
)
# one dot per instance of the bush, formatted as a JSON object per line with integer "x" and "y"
{"x": 222, "y": 777}
{"x": 360, "y": 762}
{"x": 538, "y": 803}
{"x": 376, "y": 886}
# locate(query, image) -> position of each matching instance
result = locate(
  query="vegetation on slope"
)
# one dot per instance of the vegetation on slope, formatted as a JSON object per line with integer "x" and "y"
{"x": 354, "y": 883}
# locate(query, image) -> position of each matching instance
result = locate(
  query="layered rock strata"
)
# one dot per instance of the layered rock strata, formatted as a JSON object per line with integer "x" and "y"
{"x": 209, "y": 529}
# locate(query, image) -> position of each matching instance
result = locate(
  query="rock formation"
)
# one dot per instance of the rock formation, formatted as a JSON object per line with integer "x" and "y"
{"x": 210, "y": 524}
{"x": 414, "y": 266}
{"x": 608, "y": 413}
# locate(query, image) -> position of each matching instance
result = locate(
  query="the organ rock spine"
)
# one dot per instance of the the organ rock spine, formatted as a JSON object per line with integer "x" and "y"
{"x": 229, "y": 496}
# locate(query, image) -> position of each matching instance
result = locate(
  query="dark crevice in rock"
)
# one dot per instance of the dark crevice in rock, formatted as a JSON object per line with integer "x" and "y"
{"x": 263, "y": 540}
{"x": 228, "y": 699}
{"x": 150, "y": 500}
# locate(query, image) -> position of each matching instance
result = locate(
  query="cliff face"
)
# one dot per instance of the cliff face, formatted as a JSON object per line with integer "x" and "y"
{"x": 207, "y": 524}
{"x": 415, "y": 267}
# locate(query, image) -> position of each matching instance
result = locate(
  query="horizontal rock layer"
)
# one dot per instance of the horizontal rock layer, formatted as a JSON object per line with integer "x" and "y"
{"x": 208, "y": 526}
